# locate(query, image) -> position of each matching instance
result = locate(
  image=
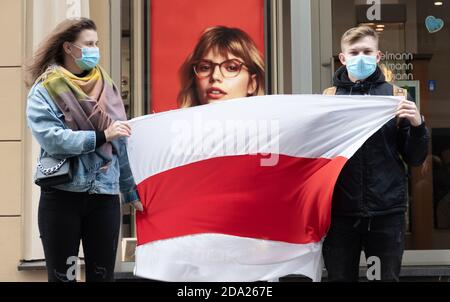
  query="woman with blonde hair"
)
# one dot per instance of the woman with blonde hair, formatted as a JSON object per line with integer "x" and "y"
{"x": 225, "y": 64}
{"x": 76, "y": 114}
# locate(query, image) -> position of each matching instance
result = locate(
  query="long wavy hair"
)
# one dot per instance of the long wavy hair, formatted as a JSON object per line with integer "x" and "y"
{"x": 225, "y": 41}
{"x": 51, "y": 50}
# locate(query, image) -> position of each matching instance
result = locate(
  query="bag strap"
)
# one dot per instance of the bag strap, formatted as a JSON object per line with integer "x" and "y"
{"x": 398, "y": 91}
{"x": 51, "y": 170}
{"x": 330, "y": 91}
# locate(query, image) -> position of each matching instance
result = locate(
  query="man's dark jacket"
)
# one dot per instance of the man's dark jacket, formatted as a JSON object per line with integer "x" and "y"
{"x": 374, "y": 181}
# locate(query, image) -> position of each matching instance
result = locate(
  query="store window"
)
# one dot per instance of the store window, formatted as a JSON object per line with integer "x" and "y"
{"x": 174, "y": 28}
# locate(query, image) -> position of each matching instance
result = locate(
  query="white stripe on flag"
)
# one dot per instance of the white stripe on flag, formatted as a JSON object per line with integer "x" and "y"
{"x": 310, "y": 126}
{"x": 220, "y": 258}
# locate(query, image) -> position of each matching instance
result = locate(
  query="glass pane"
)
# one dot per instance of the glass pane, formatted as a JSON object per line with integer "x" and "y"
{"x": 441, "y": 178}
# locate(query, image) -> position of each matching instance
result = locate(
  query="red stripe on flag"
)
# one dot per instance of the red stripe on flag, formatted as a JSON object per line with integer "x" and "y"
{"x": 234, "y": 195}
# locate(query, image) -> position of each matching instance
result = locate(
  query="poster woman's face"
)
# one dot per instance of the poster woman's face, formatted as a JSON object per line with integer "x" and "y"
{"x": 221, "y": 78}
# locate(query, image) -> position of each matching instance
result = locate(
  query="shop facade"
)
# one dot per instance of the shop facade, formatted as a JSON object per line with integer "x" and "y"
{"x": 300, "y": 40}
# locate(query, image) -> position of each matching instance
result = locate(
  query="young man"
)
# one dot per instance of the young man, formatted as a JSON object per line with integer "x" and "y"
{"x": 369, "y": 202}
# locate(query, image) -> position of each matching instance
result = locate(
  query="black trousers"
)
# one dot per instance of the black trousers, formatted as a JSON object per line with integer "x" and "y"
{"x": 382, "y": 237}
{"x": 64, "y": 219}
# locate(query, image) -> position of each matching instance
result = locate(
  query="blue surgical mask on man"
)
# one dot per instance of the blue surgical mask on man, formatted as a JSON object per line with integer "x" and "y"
{"x": 90, "y": 57}
{"x": 362, "y": 66}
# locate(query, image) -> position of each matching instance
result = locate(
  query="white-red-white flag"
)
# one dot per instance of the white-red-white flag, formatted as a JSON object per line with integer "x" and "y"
{"x": 241, "y": 190}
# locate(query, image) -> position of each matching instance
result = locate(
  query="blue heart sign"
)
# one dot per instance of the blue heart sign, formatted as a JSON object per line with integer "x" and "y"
{"x": 434, "y": 24}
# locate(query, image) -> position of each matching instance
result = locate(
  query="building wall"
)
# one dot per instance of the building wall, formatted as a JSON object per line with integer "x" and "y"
{"x": 100, "y": 13}
{"x": 23, "y": 25}
{"x": 12, "y": 106}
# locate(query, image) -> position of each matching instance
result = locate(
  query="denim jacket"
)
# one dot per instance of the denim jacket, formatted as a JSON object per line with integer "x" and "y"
{"x": 58, "y": 141}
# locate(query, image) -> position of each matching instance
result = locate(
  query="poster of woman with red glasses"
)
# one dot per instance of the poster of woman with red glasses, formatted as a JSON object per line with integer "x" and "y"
{"x": 224, "y": 65}
{"x": 203, "y": 51}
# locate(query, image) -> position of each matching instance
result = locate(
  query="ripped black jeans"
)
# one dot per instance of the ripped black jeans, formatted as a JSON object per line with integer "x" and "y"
{"x": 381, "y": 236}
{"x": 64, "y": 219}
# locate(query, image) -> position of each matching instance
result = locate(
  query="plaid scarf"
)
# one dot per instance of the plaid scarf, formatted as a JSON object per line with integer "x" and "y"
{"x": 90, "y": 103}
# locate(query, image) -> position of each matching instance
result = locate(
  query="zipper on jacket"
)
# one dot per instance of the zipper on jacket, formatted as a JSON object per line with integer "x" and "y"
{"x": 363, "y": 172}
{"x": 363, "y": 181}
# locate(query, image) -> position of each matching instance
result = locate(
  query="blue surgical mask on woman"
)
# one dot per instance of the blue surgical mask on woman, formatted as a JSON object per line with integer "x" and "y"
{"x": 90, "y": 57}
{"x": 362, "y": 66}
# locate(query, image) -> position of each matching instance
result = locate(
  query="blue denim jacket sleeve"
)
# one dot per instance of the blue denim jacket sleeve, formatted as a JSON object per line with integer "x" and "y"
{"x": 46, "y": 123}
{"x": 126, "y": 180}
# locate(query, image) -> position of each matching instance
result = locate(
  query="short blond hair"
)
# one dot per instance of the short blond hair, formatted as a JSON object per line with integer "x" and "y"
{"x": 355, "y": 34}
